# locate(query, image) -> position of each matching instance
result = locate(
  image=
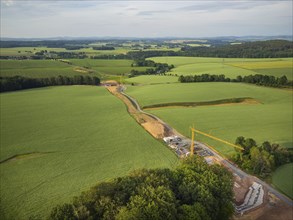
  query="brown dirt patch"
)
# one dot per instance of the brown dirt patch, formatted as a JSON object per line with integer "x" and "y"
{"x": 154, "y": 127}
{"x": 240, "y": 188}
{"x": 279, "y": 211}
{"x": 80, "y": 70}
{"x": 110, "y": 82}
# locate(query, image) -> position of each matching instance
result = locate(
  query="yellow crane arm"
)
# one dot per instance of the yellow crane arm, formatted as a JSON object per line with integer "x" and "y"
{"x": 215, "y": 138}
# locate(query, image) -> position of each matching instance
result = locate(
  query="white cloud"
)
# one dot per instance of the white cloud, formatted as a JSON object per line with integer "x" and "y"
{"x": 28, "y": 18}
{"x": 8, "y": 2}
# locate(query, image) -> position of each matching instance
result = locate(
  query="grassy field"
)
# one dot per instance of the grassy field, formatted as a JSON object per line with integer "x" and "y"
{"x": 281, "y": 180}
{"x": 152, "y": 79}
{"x": 271, "y": 119}
{"x": 231, "y": 67}
{"x": 28, "y": 51}
{"x": 36, "y": 68}
{"x": 89, "y": 51}
{"x": 48, "y": 68}
{"x": 67, "y": 139}
{"x": 108, "y": 67}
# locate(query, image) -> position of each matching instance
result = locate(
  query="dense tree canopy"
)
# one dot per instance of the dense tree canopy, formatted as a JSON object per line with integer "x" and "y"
{"x": 103, "y": 48}
{"x": 258, "y": 49}
{"x": 193, "y": 190}
{"x": 258, "y": 79}
{"x": 20, "y": 82}
{"x": 263, "y": 159}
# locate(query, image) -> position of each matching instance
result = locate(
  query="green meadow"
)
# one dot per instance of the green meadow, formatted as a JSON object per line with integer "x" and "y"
{"x": 152, "y": 79}
{"x": 48, "y": 68}
{"x": 28, "y": 51}
{"x": 230, "y": 67}
{"x": 107, "y": 67}
{"x": 35, "y": 68}
{"x": 281, "y": 181}
{"x": 270, "y": 118}
{"x": 89, "y": 51}
{"x": 66, "y": 139}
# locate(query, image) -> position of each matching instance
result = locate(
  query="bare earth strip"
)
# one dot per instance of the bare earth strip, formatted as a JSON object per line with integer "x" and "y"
{"x": 153, "y": 126}
{"x": 272, "y": 207}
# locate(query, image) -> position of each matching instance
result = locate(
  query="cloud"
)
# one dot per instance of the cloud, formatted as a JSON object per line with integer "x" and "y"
{"x": 215, "y": 6}
{"x": 29, "y": 18}
{"x": 150, "y": 13}
{"x": 8, "y": 3}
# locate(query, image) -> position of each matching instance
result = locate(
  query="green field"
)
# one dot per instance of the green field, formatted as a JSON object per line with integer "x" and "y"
{"x": 48, "y": 68}
{"x": 29, "y": 51}
{"x": 152, "y": 79}
{"x": 89, "y": 51}
{"x": 36, "y": 68}
{"x": 231, "y": 67}
{"x": 67, "y": 139}
{"x": 270, "y": 120}
{"x": 108, "y": 67}
{"x": 281, "y": 180}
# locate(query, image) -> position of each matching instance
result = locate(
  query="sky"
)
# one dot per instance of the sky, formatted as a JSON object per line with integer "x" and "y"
{"x": 118, "y": 18}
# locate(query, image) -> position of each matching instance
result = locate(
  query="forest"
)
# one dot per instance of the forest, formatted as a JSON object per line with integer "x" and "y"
{"x": 258, "y": 49}
{"x": 258, "y": 79}
{"x": 261, "y": 159}
{"x": 19, "y": 82}
{"x": 193, "y": 190}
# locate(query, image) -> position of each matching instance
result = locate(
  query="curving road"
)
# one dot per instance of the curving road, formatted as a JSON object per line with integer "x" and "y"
{"x": 224, "y": 161}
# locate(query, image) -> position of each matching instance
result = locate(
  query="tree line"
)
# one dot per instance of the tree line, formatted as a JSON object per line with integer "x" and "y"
{"x": 258, "y": 79}
{"x": 46, "y": 43}
{"x": 158, "y": 68}
{"x": 19, "y": 82}
{"x": 261, "y": 159}
{"x": 193, "y": 190}
{"x": 257, "y": 49}
{"x": 103, "y": 48}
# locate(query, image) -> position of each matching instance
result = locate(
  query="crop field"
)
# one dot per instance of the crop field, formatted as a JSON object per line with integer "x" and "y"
{"x": 89, "y": 51}
{"x": 66, "y": 139}
{"x": 48, "y": 68}
{"x": 231, "y": 67}
{"x": 108, "y": 67}
{"x": 152, "y": 79}
{"x": 28, "y": 51}
{"x": 265, "y": 64}
{"x": 267, "y": 118}
{"x": 281, "y": 180}
{"x": 36, "y": 68}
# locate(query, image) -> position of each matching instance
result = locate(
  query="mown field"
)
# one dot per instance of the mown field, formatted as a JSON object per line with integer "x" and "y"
{"x": 67, "y": 139}
{"x": 270, "y": 119}
{"x": 231, "y": 67}
{"x": 282, "y": 181}
{"x": 48, "y": 68}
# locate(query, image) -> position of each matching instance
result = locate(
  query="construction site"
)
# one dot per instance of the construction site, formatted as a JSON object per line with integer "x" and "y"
{"x": 253, "y": 198}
